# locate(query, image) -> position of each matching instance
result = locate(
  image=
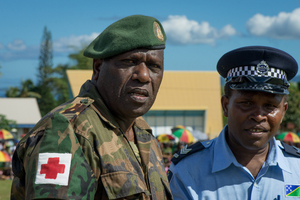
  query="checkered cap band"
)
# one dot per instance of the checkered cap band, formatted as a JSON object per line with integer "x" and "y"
{"x": 252, "y": 71}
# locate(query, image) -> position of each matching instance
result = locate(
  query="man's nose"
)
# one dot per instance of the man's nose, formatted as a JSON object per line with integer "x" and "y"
{"x": 258, "y": 114}
{"x": 141, "y": 73}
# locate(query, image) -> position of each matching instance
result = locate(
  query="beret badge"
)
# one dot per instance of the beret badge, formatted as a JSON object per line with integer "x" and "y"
{"x": 157, "y": 31}
{"x": 262, "y": 68}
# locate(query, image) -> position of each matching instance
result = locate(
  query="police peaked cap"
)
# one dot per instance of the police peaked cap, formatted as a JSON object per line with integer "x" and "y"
{"x": 258, "y": 68}
{"x": 129, "y": 33}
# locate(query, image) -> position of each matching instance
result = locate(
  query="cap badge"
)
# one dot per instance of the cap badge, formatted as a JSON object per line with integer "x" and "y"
{"x": 262, "y": 67}
{"x": 157, "y": 31}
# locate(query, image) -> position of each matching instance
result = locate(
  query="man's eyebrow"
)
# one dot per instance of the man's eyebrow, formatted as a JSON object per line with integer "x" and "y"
{"x": 132, "y": 56}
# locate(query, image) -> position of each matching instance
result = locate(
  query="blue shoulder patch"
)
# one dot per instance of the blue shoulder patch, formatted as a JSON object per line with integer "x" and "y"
{"x": 187, "y": 150}
{"x": 291, "y": 149}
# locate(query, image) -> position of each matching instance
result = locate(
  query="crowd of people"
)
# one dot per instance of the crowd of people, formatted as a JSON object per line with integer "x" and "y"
{"x": 7, "y": 147}
{"x": 169, "y": 149}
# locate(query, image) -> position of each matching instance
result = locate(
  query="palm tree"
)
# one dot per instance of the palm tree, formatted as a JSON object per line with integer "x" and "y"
{"x": 26, "y": 90}
{"x": 12, "y": 92}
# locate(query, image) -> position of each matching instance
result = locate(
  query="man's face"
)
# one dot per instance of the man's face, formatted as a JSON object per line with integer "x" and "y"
{"x": 253, "y": 117}
{"x": 129, "y": 82}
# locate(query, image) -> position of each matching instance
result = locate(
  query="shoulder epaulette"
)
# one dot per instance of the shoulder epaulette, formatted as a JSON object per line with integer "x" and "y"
{"x": 187, "y": 150}
{"x": 291, "y": 149}
{"x": 70, "y": 110}
{"x": 77, "y": 106}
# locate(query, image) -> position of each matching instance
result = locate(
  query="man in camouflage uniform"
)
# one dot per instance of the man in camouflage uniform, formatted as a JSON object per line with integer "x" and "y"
{"x": 97, "y": 146}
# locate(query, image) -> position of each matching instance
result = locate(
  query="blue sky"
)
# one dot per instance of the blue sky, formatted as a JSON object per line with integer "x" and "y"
{"x": 199, "y": 32}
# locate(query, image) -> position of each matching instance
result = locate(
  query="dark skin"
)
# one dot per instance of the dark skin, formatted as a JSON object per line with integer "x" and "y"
{"x": 128, "y": 84}
{"x": 253, "y": 119}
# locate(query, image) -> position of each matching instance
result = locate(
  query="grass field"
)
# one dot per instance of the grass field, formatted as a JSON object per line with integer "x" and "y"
{"x": 5, "y": 186}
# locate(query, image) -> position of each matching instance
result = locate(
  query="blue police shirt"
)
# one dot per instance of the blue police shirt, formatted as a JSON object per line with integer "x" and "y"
{"x": 214, "y": 173}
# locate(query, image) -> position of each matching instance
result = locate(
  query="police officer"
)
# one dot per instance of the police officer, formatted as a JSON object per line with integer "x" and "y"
{"x": 244, "y": 161}
{"x": 97, "y": 146}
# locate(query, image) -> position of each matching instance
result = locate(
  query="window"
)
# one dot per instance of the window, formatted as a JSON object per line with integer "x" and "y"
{"x": 164, "y": 121}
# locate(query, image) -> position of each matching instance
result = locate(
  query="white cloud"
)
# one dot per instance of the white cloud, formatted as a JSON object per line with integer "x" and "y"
{"x": 181, "y": 30}
{"x": 18, "y": 49}
{"x": 67, "y": 44}
{"x": 31, "y": 52}
{"x": 283, "y": 26}
{"x": 17, "y": 45}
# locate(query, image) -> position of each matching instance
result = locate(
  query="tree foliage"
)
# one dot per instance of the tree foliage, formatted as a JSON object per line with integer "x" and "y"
{"x": 60, "y": 84}
{"x": 80, "y": 61}
{"x": 293, "y": 112}
{"x": 45, "y": 58}
{"x": 6, "y": 123}
{"x": 52, "y": 84}
{"x": 44, "y": 85}
{"x": 26, "y": 90}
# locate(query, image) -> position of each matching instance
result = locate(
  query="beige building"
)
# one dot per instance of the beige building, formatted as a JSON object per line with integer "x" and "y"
{"x": 189, "y": 98}
{"x": 24, "y": 111}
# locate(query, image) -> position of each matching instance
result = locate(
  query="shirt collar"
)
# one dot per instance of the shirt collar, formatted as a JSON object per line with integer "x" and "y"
{"x": 278, "y": 157}
{"x": 223, "y": 156}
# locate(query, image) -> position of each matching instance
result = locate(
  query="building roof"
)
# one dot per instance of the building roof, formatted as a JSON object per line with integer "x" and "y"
{"x": 180, "y": 90}
{"x": 24, "y": 111}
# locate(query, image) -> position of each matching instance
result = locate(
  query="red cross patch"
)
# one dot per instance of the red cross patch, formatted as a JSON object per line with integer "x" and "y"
{"x": 53, "y": 168}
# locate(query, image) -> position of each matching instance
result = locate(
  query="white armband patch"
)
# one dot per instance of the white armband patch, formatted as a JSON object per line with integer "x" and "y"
{"x": 53, "y": 168}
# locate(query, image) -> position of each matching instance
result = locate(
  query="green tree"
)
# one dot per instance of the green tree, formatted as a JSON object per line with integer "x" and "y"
{"x": 6, "y": 123}
{"x": 293, "y": 113}
{"x": 12, "y": 92}
{"x": 80, "y": 61}
{"x": 45, "y": 58}
{"x": 60, "y": 83}
{"x": 26, "y": 90}
{"x": 45, "y": 71}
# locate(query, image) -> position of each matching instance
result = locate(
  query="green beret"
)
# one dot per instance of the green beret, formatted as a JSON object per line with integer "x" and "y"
{"x": 129, "y": 33}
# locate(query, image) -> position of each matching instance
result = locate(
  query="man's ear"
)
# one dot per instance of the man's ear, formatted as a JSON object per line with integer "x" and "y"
{"x": 96, "y": 68}
{"x": 224, "y": 102}
{"x": 285, "y": 107}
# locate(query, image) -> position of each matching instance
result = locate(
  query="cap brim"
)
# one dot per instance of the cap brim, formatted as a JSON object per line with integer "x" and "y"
{"x": 260, "y": 87}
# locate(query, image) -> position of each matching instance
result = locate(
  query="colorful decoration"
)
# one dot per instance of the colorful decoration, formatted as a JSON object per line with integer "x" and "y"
{"x": 165, "y": 138}
{"x": 4, "y": 157}
{"x": 288, "y": 137}
{"x": 183, "y": 134}
{"x": 5, "y": 135}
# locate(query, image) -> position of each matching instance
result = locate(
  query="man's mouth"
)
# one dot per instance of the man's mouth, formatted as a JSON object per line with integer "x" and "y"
{"x": 139, "y": 95}
{"x": 255, "y": 130}
{"x": 139, "y": 92}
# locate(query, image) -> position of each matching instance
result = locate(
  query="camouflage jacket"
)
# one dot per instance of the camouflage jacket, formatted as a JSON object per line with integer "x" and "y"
{"x": 78, "y": 151}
